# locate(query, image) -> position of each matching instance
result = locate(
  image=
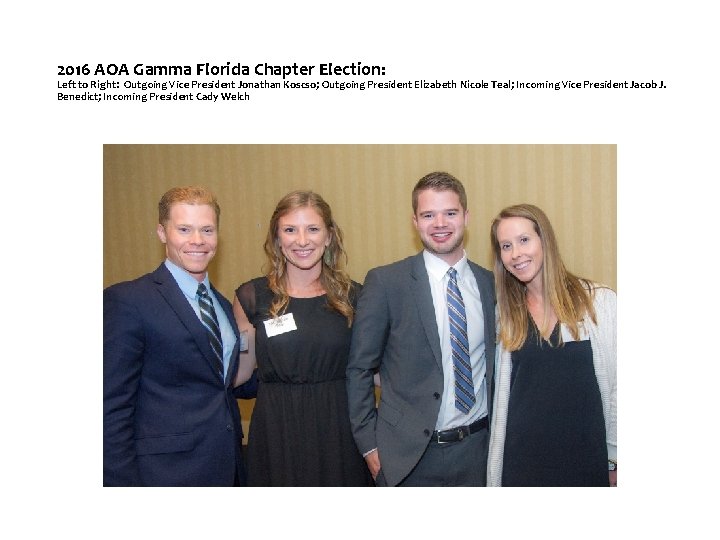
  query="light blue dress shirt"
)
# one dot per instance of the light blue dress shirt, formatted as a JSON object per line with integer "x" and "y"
{"x": 189, "y": 286}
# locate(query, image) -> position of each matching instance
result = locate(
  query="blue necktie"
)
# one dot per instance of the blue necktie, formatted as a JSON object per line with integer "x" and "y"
{"x": 464, "y": 392}
{"x": 209, "y": 320}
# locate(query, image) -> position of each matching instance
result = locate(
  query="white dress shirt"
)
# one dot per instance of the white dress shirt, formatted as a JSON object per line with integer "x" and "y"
{"x": 449, "y": 416}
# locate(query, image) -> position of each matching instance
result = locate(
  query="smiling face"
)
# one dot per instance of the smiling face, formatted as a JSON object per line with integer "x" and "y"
{"x": 440, "y": 220}
{"x": 521, "y": 249}
{"x": 303, "y": 237}
{"x": 190, "y": 237}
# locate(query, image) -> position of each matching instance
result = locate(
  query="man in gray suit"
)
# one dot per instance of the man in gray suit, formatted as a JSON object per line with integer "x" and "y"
{"x": 426, "y": 324}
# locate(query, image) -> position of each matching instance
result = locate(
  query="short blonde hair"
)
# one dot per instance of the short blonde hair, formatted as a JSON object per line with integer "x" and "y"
{"x": 186, "y": 195}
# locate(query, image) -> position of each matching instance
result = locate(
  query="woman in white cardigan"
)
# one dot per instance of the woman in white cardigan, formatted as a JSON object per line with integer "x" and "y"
{"x": 555, "y": 403}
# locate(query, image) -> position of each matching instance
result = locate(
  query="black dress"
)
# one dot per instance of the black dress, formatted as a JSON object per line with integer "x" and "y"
{"x": 555, "y": 427}
{"x": 300, "y": 430}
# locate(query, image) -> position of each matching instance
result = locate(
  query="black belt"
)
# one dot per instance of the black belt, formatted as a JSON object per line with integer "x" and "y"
{"x": 459, "y": 433}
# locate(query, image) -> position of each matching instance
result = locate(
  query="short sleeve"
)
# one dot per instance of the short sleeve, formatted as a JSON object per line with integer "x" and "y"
{"x": 355, "y": 289}
{"x": 245, "y": 294}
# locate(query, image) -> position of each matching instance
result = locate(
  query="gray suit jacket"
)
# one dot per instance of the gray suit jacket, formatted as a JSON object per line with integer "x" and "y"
{"x": 395, "y": 331}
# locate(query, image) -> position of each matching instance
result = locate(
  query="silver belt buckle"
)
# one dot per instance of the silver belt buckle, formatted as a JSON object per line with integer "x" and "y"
{"x": 447, "y": 442}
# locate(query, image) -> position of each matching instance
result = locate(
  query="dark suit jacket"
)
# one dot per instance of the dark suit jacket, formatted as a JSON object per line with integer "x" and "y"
{"x": 395, "y": 330}
{"x": 168, "y": 417}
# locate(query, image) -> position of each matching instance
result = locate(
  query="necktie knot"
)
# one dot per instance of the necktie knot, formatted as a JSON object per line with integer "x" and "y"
{"x": 452, "y": 273}
{"x": 202, "y": 291}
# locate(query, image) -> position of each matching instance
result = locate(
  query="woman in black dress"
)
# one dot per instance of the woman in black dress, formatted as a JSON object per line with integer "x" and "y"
{"x": 555, "y": 403}
{"x": 298, "y": 319}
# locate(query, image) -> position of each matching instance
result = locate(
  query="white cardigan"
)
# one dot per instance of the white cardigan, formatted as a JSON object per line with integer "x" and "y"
{"x": 603, "y": 340}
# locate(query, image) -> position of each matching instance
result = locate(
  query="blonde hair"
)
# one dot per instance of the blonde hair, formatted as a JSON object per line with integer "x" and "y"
{"x": 186, "y": 195}
{"x": 568, "y": 295}
{"x": 333, "y": 277}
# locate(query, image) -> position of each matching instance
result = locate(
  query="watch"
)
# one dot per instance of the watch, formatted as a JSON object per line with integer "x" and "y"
{"x": 612, "y": 466}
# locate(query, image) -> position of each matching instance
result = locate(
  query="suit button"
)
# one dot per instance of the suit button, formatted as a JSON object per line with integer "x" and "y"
{"x": 436, "y": 395}
{"x": 426, "y": 432}
{"x": 229, "y": 427}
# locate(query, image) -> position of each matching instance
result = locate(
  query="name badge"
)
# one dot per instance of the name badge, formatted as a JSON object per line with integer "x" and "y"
{"x": 285, "y": 323}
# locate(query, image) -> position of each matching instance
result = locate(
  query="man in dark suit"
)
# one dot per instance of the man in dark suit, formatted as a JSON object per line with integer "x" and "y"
{"x": 427, "y": 325}
{"x": 170, "y": 417}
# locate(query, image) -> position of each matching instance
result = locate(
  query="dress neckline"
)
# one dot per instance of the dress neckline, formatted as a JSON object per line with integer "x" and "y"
{"x": 306, "y": 297}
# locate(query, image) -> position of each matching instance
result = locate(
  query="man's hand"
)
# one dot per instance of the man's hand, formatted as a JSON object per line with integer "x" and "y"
{"x": 373, "y": 463}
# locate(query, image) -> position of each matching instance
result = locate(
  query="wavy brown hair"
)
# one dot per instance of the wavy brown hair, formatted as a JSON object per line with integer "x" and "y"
{"x": 333, "y": 277}
{"x": 568, "y": 295}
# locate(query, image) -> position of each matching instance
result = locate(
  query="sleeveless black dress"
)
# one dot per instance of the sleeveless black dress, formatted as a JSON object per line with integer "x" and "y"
{"x": 555, "y": 426}
{"x": 300, "y": 430}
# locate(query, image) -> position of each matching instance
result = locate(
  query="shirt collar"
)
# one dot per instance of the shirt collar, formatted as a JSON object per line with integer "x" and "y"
{"x": 437, "y": 268}
{"x": 188, "y": 284}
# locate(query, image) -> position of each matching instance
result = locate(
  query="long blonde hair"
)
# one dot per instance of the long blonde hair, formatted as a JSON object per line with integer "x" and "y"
{"x": 333, "y": 277}
{"x": 568, "y": 295}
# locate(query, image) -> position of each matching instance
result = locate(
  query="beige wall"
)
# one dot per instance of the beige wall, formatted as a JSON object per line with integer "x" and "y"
{"x": 368, "y": 188}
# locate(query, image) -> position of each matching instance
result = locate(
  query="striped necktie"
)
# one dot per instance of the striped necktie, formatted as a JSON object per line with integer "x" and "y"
{"x": 209, "y": 320}
{"x": 464, "y": 391}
